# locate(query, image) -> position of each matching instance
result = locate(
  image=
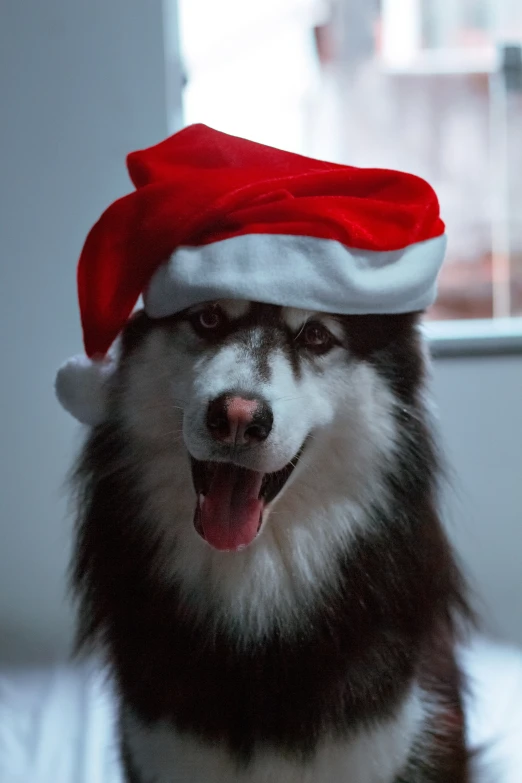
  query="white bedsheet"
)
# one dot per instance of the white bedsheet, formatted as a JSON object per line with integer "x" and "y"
{"x": 57, "y": 724}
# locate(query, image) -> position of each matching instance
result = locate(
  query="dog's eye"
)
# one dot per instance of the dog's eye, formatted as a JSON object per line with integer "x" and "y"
{"x": 210, "y": 319}
{"x": 316, "y": 337}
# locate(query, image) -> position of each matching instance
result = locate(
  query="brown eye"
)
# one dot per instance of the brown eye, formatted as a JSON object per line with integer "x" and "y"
{"x": 210, "y": 319}
{"x": 316, "y": 337}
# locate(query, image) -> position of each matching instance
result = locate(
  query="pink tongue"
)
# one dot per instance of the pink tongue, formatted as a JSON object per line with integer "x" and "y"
{"x": 231, "y": 511}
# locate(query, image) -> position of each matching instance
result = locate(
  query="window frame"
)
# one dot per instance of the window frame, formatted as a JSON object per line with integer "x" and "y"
{"x": 474, "y": 337}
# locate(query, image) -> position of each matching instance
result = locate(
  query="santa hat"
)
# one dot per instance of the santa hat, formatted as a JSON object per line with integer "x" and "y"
{"x": 214, "y": 216}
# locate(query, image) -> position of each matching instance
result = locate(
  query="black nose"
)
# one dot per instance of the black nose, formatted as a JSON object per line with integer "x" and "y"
{"x": 238, "y": 420}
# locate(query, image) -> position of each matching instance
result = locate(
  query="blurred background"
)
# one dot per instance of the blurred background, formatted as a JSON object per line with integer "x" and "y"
{"x": 429, "y": 86}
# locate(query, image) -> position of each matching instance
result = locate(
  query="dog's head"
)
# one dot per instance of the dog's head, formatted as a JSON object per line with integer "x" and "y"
{"x": 262, "y": 437}
{"x": 255, "y": 398}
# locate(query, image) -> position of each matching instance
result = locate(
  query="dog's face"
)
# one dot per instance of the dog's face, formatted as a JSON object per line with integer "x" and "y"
{"x": 260, "y": 428}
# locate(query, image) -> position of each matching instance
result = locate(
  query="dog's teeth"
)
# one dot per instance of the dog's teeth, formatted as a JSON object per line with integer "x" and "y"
{"x": 201, "y": 498}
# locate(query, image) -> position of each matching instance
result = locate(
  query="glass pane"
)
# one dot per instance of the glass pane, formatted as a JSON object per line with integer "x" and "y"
{"x": 514, "y": 195}
{"x": 408, "y": 84}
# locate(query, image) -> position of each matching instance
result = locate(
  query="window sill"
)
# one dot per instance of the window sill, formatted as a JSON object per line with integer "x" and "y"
{"x": 474, "y": 337}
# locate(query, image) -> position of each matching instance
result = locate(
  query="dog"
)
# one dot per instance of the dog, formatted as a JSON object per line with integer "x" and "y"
{"x": 260, "y": 556}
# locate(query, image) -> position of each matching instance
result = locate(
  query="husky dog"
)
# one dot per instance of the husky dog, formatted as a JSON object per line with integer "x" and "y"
{"x": 260, "y": 555}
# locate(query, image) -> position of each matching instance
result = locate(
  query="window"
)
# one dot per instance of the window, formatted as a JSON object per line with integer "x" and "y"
{"x": 428, "y": 86}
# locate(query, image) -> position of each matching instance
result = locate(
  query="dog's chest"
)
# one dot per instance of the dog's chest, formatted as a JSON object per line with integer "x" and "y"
{"x": 376, "y": 755}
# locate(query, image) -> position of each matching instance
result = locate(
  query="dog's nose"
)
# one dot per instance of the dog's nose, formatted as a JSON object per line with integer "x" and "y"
{"x": 239, "y": 421}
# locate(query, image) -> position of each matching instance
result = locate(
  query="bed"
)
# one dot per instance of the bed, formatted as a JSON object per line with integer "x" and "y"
{"x": 57, "y": 723}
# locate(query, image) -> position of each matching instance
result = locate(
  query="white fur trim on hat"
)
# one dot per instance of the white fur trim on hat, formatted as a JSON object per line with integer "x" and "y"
{"x": 82, "y": 386}
{"x": 298, "y": 271}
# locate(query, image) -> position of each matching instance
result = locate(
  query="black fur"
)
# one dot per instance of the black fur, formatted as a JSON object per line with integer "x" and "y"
{"x": 131, "y": 774}
{"x": 393, "y": 617}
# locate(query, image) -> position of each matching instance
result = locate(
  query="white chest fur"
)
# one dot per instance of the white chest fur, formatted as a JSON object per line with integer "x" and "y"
{"x": 374, "y": 755}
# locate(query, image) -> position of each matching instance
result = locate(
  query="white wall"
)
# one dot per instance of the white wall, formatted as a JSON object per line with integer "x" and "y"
{"x": 81, "y": 83}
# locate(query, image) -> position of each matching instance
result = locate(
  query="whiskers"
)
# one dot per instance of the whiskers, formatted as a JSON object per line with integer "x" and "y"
{"x": 174, "y": 436}
{"x": 293, "y": 462}
{"x": 289, "y": 399}
{"x": 160, "y": 405}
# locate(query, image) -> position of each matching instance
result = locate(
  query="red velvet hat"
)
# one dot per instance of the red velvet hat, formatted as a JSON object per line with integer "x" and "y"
{"x": 214, "y": 216}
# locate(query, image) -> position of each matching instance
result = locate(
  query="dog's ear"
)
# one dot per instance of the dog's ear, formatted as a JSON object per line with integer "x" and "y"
{"x": 82, "y": 385}
{"x": 371, "y": 334}
{"x": 136, "y": 329}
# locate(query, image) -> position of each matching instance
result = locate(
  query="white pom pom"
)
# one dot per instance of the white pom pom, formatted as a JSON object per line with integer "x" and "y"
{"x": 81, "y": 388}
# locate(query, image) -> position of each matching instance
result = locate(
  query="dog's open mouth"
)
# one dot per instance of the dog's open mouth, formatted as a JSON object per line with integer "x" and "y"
{"x": 231, "y": 501}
